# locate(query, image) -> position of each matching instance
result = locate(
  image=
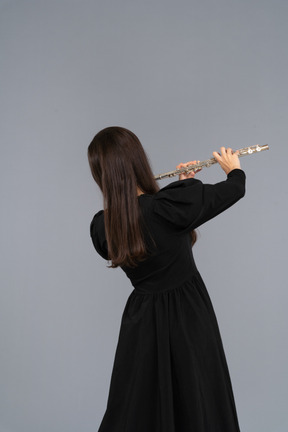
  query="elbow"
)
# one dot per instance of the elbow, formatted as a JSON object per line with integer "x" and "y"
{"x": 239, "y": 180}
{"x": 241, "y": 190}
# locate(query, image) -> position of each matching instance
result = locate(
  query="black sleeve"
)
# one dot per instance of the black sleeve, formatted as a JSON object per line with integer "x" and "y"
{"x": 97, "y": 234}
{"x": 187, "y": 204}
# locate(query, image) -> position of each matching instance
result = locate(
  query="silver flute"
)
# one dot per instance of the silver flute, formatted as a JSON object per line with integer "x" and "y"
{"x": 207, "y": 163}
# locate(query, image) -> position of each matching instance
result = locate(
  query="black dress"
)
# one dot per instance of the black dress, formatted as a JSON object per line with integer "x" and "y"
{"x": 170, "y": 372}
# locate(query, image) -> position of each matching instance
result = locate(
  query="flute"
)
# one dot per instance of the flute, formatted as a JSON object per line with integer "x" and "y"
{"x": 207, "y": 163}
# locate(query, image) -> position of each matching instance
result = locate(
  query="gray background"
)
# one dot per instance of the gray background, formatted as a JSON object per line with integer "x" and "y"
{"x": 186, "y": 77}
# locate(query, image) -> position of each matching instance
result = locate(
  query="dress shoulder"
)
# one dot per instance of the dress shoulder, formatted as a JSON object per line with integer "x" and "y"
{"x": 187, "y": 204}
{"x": 97, "y": 234}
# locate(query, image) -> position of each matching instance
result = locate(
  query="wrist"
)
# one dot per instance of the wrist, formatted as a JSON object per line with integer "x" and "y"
{"x": 231, "y": 169}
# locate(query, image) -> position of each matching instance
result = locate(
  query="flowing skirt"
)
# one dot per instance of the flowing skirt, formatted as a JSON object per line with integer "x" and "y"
{"x": 170, "y": 372}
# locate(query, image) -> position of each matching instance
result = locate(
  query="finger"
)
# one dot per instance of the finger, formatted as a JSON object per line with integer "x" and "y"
{"x": 223, "y": 150}
{"x": 195, "y": 163}
{"x": 216, "y": 155}
{"x": 229, "y": 150}
{"x": 190, "y": 163}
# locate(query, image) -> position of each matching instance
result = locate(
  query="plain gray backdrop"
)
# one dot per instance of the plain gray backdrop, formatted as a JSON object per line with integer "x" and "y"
{"x": 186, "y": 77}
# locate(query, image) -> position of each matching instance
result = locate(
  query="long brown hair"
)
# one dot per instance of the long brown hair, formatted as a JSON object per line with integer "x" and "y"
{"x": 119, "y": 164}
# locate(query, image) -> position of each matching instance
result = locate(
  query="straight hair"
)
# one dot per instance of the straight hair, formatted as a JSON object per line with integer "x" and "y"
{"x": 119, "y": 165}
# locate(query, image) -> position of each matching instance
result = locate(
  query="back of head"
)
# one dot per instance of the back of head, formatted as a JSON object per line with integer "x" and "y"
{"x": 119, "y": 165}
{"x": 117, "y": 158}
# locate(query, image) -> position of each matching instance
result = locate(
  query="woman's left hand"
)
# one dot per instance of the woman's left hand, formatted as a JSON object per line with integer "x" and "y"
{"x": 190, "y": 174}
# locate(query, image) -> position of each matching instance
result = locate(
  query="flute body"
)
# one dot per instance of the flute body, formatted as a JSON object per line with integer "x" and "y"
{"x": 207, "y": 163}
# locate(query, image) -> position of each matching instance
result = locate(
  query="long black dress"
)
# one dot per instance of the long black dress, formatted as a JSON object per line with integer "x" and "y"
{"x": 170, "y": 372}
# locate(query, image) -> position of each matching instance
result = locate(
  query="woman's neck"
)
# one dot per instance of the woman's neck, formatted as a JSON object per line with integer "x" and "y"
{"x": 139, "y": 191}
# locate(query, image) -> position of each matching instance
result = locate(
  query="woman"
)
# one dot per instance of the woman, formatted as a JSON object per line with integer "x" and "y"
{"x": 170, "y": 372}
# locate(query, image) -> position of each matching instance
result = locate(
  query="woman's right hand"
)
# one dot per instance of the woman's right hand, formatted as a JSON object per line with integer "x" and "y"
{"x": 227, "y": 160}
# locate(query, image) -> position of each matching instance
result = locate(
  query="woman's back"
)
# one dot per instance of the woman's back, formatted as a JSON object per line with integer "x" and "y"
{"x": 168, "y": 217}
